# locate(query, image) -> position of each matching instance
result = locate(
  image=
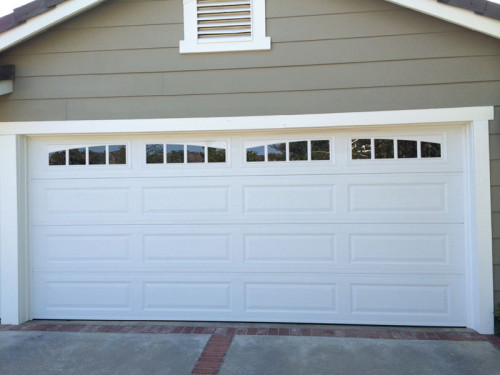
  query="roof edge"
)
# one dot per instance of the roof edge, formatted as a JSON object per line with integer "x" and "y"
{"x": 44, "y": 21}
{"x": 458, "y": 16}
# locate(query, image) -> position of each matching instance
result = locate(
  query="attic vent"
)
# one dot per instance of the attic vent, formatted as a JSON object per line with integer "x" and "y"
{"x": 224, "y": 25}
{"x": 224, "y": 18}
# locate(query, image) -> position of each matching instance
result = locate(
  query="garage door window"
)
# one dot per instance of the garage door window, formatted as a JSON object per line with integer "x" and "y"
{"x": 302, "y": 150}
{"x": 89, "y": 155}
{"x": 386, "y": 148}
{"x": 185, "y": 153}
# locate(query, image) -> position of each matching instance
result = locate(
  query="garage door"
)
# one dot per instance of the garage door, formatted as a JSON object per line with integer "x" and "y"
{"x": 351, "y": 226}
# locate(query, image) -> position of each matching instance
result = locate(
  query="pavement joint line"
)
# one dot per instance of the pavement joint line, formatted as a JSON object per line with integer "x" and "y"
{"x": 223, "y": 335}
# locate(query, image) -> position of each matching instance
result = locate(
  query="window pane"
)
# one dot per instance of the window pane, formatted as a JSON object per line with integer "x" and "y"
{"x": 361, "y": 149}
{"x": 175, "y": 154}
{"x": 196, "y": 154}
{"x": 407, "y": 149}
{"x": 154, "y": 154}
{"x": 216, "y": 155}
{"x": 57, "y": 158}
{"x": 298, "y": 150}
{"x": 97, "y": 155}
{"x": 118, "y": 154}
{"x": 320, "y": 150}
{"x": 255, "y": 153}
{"x": 276, "y": 152}
{"x": 430, "y": 150}
{"x": 77, "y": 156}
{"x": 384, "y": 149}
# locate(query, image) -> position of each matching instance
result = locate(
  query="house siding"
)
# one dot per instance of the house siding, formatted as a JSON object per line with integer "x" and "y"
{"x": 121, "y": 60}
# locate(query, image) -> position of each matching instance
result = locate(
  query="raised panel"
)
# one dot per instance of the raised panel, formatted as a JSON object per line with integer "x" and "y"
{"x": 187, "y": 296}
{"x": 289, "y": 199}
{"x": 172, "y": 200}
{"x": 293, "y": 248}
{"x": 91, "y": 295}
{"x": 399, "y": 248}
{"x": 81, "y": 201}
{"x": 400, "y": 299}
{"x": 86, "y": 248}
{"x": 186, "y": 248}
{"x": 398, "y": 197}
{"x": 290, "y": 297}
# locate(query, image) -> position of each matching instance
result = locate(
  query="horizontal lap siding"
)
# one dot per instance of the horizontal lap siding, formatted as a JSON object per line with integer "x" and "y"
{"x": 121, "y": 60}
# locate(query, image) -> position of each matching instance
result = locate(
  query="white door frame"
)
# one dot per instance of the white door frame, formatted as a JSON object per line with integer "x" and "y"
{"x": 14, "y": 216}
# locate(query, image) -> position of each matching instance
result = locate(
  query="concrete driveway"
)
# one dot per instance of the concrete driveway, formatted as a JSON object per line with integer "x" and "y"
{"x": 136, "y": 348}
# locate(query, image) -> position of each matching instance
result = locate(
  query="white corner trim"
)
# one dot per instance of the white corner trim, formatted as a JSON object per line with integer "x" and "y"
{"x": 6, "y": 87}
{"x": 328, "y": 120}
{"x": 44, "y": 21}
{"x": 459, "y": 16}
{"x": 480, "y": 270}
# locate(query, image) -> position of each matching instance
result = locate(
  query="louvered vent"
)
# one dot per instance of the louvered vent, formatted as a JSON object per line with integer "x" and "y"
{"x": 224, "y": 18}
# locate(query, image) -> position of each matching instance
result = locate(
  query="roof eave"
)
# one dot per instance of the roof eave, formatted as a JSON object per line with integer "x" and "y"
{"x": 458, "y": 16}
{"x": 44, "y": 21}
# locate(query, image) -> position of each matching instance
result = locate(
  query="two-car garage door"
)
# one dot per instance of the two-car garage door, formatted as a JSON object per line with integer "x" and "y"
{"x": 334, "y": 226}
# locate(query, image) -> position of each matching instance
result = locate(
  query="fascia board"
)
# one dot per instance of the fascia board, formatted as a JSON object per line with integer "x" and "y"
{"x": 458, "y": 16}
{"x": 44, "y": 21}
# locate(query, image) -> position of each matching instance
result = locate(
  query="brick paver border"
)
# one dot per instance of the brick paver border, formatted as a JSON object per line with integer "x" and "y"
{"x": 213, "y": 355}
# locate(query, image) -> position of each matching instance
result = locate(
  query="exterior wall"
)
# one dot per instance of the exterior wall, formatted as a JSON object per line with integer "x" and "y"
{"x": 121, "y": 60}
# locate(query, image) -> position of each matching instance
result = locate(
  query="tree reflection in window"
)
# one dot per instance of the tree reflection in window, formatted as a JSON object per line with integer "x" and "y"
{"x": 256, "y": 154}
{"x": 407, "y": 149}
{"x": 195, "y": 154}
{"x": 97, "y": 155}
{"x": 276, "y": 152}
{"x": 430, "y": 150}
{"x": 361, "y": 148}
{"x": 118, "y": 154}
{"x": 216, "y": 155}
{"x": 154, "y": 154}
{"x": 384, "y": 149}
{"x": 77, "y": 156}
{"x": 298, "y": 151}
{"x": 320, "y": 150}
{"x": 175, "y": 154}
{"x": 57, "y": 158}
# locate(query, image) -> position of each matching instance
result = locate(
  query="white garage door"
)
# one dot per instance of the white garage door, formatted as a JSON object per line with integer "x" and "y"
{"x": 334, "y": 226}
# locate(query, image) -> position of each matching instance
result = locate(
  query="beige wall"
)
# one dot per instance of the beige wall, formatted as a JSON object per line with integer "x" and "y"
{"x": 121, "y": 60}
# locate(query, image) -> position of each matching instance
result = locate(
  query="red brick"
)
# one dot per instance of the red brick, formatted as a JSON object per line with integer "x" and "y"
{"x": 385, "y": 335}
{"x": 328, "y": 332}
{"x": 91, "y": 328}
{"x": 443, "y": 336}
{"x": 203, "y": 371}
{"x": 284, "y": 332}
{"x": 305, "y": 332}
{"x": 421, "y": 336}
{"x": 362, "y": 334}
{"x": 15, "y": 328}
{"x": 350, "y": 333}
{"x": 241, "y": 331}
{"x": 317, "y": 332}
{"x": 230, "y": 331}
{"x": 178, "y": 329}
{"x": 211, "y": 359}
{"x": 73, "y": 327}
{"x": 262, "y": 331}
{"x": 251, "y": 331}
{"x": 188, "y": 330}
{"x": 432, "y": 336}
{"x": 273, "y": 331}
{"x": 397, "y": 335}
{"x": 199, "y": 330}
{"x": 407, "y": 335}
{"x": 207, "y": 365}
{"x": 166, "y": 329}
{"x": 373, "y": 334}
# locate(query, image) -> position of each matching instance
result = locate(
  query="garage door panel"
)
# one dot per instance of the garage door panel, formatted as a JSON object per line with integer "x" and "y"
{"x": 375, "y": 241}
{"x": 367, "y": 248}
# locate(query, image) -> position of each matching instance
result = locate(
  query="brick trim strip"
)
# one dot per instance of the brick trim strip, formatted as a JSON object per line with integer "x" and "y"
{"x": 212, "y": 357}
